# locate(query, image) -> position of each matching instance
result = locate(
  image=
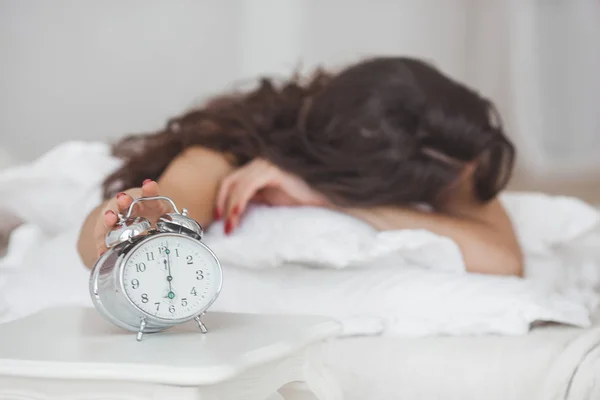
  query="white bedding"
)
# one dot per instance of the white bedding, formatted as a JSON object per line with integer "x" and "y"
{"x": 381, "y": 289}
{"x": 394, "y": 282}
{"x": 549, "y": 363}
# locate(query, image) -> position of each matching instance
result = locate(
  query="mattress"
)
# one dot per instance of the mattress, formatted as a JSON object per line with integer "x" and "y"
{"x": 551, "y": 362}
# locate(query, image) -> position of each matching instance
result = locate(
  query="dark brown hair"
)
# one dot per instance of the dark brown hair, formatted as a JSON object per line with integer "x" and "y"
{"x": 383, "y": 131}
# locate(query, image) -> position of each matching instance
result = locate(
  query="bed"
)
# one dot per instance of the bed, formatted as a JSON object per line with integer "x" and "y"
{"x": 420, "y": 326}
{"x": 550, "y": 362}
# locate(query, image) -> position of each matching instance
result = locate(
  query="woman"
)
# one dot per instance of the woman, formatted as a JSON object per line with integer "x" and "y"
{"x": 391, "y": 141}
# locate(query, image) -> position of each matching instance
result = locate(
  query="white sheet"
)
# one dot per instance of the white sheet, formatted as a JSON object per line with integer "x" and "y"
{"x": 550, "y": 363}
{"x": 327, "y": 239}
{"x": 393, "y": 294}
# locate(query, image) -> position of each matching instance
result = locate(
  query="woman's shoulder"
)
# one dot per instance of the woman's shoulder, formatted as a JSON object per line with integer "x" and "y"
{"x": 200, "y": 154}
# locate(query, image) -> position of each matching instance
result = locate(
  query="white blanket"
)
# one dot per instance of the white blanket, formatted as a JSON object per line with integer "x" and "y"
{"x": 313, "y": 261}
{"x": 550, "y": 363}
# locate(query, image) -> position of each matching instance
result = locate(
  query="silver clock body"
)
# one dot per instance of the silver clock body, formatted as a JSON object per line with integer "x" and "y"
{"x": 111, "y": 280}
{"x": 110, "y": 298}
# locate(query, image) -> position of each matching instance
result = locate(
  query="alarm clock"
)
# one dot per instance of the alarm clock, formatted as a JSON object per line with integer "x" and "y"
{"x": 153, "y": 278}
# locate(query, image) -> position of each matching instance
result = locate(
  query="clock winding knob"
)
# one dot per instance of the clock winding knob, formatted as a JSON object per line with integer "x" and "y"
{"x": 126, "y": 230}
{"x": 179, "y": 223}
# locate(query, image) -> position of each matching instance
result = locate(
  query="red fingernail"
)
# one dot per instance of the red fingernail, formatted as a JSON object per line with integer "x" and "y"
{"x": 102, "y": 252}
{"x": 235, "y": 210}
{"x": 228, "y": 227}
{"x": 217, "y": 214}
{"x": 109, "y": 212}
{"x": 121, "y": 194}
{"x": 146, "y": 181}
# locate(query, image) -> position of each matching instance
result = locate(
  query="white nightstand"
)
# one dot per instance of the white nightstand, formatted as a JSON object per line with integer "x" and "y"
{"x": 72, "y": 353}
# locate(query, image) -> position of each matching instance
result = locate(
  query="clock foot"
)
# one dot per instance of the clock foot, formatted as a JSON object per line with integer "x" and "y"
{"x": 141, "y": 331}
{"x": 201, "y": 324}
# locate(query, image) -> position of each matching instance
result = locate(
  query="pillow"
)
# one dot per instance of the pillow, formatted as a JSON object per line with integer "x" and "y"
{"x": 544, "y": 221}
{"x": 399, "y": 299}
{"x": 57, "y": 189}
{"x": 323, "y": 238}
{"x": 410, "y": 282}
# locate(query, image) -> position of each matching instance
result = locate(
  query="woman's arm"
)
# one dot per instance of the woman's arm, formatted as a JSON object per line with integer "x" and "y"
{"x": 485, "y": 237}
{"x": 191, "y": 180}
{"x": 483, "y": 232}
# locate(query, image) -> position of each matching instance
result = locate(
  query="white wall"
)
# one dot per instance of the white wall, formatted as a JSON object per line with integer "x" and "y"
{"x": 98, "y": 69}
{"x": 87, "y": 70}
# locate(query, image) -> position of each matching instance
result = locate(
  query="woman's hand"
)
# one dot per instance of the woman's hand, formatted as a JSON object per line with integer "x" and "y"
{"x": 180, "y": 181}
{"x": 107, "y": 218}
{"x": 262, "y": 182}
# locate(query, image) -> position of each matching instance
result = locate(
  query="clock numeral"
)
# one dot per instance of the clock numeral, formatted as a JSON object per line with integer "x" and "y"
{"x": 141, "y": 267}
{"x": 150, "y": 256}
{"x": 177, "y": 252}
{"x": 172, "y": 309}
{"x": 135, "y": 284}
{"x": 157, "y": 305}
{"x": 199, "y": 275}
{"x": 183, "y": 302}
{"x": 144, "y": 298}
{"x": 190, "y": 260}
{"x": 193, "y": 291}
{"x": 160, "y": 249}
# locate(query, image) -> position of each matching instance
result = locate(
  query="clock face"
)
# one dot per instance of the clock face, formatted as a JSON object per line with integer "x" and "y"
{"x": 171, "y": 277}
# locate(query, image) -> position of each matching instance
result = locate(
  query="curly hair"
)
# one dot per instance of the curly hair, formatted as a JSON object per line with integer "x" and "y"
{"x": 384, "y": 131}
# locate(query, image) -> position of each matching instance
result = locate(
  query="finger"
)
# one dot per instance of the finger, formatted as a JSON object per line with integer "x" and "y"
{"x": 227, "y": 184}
{"x": 110, "y": 218}
{"x": 152, "y": 209}
{"x": 275, "y": 195}
{"x": 149, "y": 188}
{"x": 259, "y": 197}
{"x": 123, "y": 202}
{"x": 101, "y": 249}
{"x": 252, "y": 174}
{"x": 105, "y": 222}
{"x": 99, "y": 235}
{"x": 239, "y": 198}
{"x": 225, "y": 188}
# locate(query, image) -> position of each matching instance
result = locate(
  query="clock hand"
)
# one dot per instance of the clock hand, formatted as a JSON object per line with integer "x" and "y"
{"x": 167, "y": 262}
{"x": 169, "y": 277}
